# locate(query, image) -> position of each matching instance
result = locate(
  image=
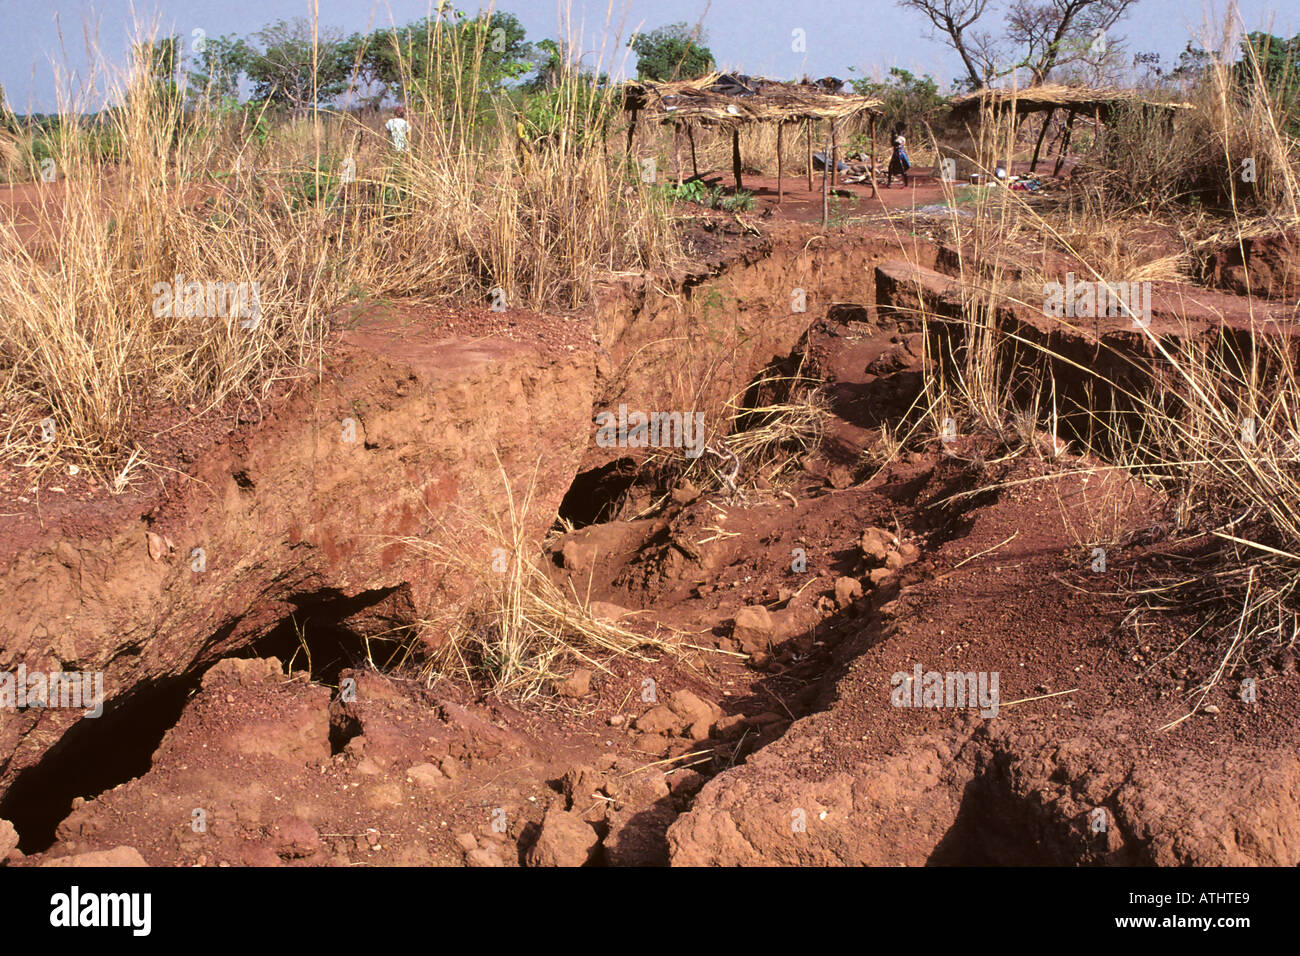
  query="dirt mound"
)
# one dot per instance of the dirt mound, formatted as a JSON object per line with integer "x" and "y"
{"x": 1266, "y": 266}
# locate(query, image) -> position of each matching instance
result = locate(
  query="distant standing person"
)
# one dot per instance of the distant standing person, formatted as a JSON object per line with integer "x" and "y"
{"x": 899, "y": 164}
{"x": 397, "y": 128}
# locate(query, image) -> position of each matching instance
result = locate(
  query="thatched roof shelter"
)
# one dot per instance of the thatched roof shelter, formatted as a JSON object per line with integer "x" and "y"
{"x": 1088, "y": 100}
{"x": 1098, "y": 103}
{"x": 732, "y": 101}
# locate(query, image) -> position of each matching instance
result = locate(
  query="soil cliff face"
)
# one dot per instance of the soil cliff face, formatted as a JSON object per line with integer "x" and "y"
{"x": 401, "y": 438}
{"x": 698, "y": 344}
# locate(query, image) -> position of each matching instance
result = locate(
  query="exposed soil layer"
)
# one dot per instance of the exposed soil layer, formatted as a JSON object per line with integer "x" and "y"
{"x": 774, "y": 734}
{"x": 408, "y": 431}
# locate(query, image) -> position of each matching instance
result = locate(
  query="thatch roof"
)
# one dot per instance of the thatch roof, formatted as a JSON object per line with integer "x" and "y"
{"x": 1035, "y": 99}
{"x": 732, "y": 101}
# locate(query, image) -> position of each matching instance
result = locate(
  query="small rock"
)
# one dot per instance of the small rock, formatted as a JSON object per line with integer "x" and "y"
{"x": 879, "y": 576}
{"x": 8, "y": 838}
{"x": 118, "y": 856}
{"x": 381, "y": 795}
{"x": 1211, "y": 708}
{"x": 686, "y": 782}
{"x": 846, "y": 590}
{"x": 369, "y": 767}
{"x": 685, "y": 492}
{"x": 839, "y": 476}
{"x": 260, "y": 854}
{"x": 653, "y": 745}
{"x": 659, "y": 720}
{"x": 578, "y": 684}
{"x": 692, "y": 709}
{"x": 485, "y": 857}
{"x": 295, "y": 838}
{"x": 157, "y": 545}
{"x": 700, "y": 730}
{"x": 876, "y": 543}
{"x": 450, "y": 767}
{"x": 730, "y": 726}
{"x": 426, "y": 775}
{"x": 753, "y": 628}
{"x": 565, "y": 840}
{"x": 580, "y": 785}
{"x": 605, "y": 611}
{"x": 466, "y": 842}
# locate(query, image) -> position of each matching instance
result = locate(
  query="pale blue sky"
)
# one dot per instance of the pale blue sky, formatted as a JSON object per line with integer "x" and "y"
{"x": 753, "y": 36}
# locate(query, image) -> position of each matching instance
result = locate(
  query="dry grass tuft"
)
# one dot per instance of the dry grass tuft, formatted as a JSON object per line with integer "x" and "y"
{"x": 516, "y": 631}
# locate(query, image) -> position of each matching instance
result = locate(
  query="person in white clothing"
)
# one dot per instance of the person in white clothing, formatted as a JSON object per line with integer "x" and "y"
{"x": 398, "y": 128}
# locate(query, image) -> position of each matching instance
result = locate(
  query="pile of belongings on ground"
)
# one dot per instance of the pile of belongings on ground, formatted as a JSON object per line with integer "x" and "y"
{"x": 857, "y": 171}
{"x": 1030, "y": 184}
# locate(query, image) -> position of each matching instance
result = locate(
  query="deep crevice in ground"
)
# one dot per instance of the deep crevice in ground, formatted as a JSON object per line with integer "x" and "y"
{"x": 97, "y": 754}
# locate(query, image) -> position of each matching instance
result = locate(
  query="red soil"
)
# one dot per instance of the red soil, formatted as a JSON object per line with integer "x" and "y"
{"x": 287, "y": 772}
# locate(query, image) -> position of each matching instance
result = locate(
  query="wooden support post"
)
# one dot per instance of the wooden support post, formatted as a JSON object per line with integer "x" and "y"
{"x": 1033, "y": 163}
{"x": 1065, "y": 144}
{"x": 677, "y": 152}
{"x": 871, "y": 162}
{"x": 631, "y": 133}
{"x": 735, "y": 156}
{"x": 1011, "y": 146}
{"x": 826, "y": 170}
{"x": 835, "y": 166}
{"x": 1100, "y": 135}
{"x": 808, "y": 130}
{"x": 690, "y": 134}
{"x": 780, "y": 165}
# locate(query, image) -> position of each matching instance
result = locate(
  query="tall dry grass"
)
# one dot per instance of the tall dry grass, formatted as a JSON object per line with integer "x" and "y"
{"x": 474, "y": 211}
{"x": 1210, "y": 418}
{"x": 80, "y": 341}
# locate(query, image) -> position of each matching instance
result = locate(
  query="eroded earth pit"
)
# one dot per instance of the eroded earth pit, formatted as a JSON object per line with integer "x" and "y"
{"x": 244, "y": 611}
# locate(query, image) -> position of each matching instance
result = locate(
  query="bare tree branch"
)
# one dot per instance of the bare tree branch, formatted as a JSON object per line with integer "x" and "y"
{"x": 1044, "y": 34}
{"x": 953, "y": 18}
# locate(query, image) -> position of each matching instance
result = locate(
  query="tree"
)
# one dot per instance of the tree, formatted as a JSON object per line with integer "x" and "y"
{"x": 297, "y": 66}
{"x": 443, "y": 59}
{"x": 954, "y": 18}
{"x": 157, "y": 62}
{"x": 672, "y": 52}
{"x": 221, "y": 63}
{"x": 1193, "y": 64}
{"x": 904, "y": 94}
{"x": 1058, "y": 33}
{"x": 550, "y": 66}
{"x": 367, "y": 76}
{"x": 1279, "y": 65}
{"x": 1041, "y": 35}
{"x": 159, "y": 57}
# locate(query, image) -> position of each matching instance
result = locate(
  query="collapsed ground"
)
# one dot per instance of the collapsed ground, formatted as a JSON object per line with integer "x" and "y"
{"x": 770, "y": 735}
